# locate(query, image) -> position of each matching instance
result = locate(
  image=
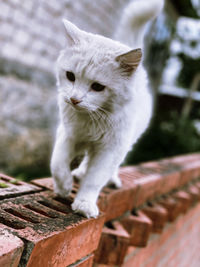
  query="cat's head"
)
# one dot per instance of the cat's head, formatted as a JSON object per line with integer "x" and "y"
{"x": 94, "y": 72}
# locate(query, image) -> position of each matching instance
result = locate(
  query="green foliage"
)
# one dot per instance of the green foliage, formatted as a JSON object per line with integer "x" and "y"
{"x": 15, "y": 181}
{"x": 27, "y": 174}
{"x": 3, "y": 185}
{"x": 166, "y": 137}
{"x": 190, "y": 67}
{"x": 185, "y": 8}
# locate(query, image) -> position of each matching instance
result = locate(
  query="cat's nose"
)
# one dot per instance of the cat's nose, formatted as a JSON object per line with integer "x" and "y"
{"x": 75, "y": 101}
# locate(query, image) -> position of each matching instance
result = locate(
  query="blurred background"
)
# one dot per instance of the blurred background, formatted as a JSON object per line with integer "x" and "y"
{"x": 31, "y": 35}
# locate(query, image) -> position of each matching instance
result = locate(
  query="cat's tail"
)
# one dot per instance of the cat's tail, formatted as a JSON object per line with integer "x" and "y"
{"x": 134, "y": 19}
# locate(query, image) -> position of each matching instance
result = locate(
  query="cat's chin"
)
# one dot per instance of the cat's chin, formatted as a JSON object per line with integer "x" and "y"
{"x": 80, "y": 109}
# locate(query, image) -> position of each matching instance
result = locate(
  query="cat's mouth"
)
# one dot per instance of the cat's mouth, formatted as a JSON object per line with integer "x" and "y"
{"x": 76, "y": 107}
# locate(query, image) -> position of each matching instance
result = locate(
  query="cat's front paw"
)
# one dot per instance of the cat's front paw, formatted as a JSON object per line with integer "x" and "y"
{"x": 86, "y": 208}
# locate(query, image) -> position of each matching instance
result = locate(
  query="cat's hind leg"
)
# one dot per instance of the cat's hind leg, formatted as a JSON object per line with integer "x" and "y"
{"x": 79, "y": 172}
{"x": 115, "y": 180}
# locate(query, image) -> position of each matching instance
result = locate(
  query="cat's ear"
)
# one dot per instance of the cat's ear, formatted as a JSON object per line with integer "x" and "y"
{"x": 74, "y": 34}
{"x": 130, "y": 61}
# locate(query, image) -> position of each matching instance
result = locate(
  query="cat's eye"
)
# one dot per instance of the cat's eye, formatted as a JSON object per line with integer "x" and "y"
{"x": 97, "y": 87}
{"x": 70, "y": 76}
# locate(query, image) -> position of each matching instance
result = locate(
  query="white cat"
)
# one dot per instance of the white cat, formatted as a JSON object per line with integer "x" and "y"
{"x": 105, "y": 104}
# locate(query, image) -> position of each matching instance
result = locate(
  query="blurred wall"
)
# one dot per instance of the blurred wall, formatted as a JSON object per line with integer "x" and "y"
{"x": 31, "y": 35}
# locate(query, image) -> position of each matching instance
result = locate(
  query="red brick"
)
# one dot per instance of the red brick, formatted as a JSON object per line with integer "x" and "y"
{"x": 48, "y": 226}
{"x": 169, "y": 172}
{"x": 140, "y": 184}
{"x": 103, "y": 265}
{"x": 139, "y": 226}
{"x": 134, "y": 257}
{"x": 185, "y": 200}
{"x": 197, "y": 184}
{"x": 113, "y": 245}
{"x": 170, "y": 248}
{"x": 170, "y": 181}
{"x": 194, "y": 192}
{"x": 190, "y": 171}
{"x": 172, "y": 206}
{"x": 113, "y": 202}
{"x": 153, "y": 167}
{"x": 181, "y": 160}
{"x": 46, "y": 183}
{"x": 130, "y": 174}
{"x": 149, "y": 187}
{"x": 14, "y": 187}
{"x": 158, "y": 215}
{"x": 53, "y": 233}
{"x": 11, "y": 248}
{"x": 187, "y": 166}
{"x": 85, "y": 262}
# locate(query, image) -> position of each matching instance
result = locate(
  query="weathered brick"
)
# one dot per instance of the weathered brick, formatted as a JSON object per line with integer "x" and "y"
{"x": 184, "y": 198}
{"x": 194, "y": 192}
{"x": 150, "y": 186}
{"x": 10, "y": 187}
{"x": 46, "y": 183}
{"x": 53, "y": 233}
{"x": 190, "y": 171}
{"x": 197, "y": 184}
{"x": 113, "y": 245}
{"x": 48, "y": 226}
{"x": 113, "y": 202}
{"x": 11, "y": 248}
{"x": 139, "y": 226}
{"x": 182, "y": 159}
{"x": 173, "y": 207}
{"x": 157, "y": 214}
{"x": 85, "y": 262}
{"x": 169, "y": 171}
{"x": 139, "y": 185}
{"x": 170, "y": 248}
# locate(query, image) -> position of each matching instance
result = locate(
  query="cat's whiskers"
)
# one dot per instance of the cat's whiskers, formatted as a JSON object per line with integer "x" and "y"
{"x": 98, "y": 122}
{"x": 93, "y": 121}
{"x": 97, "y": 118}
{"x": 107, "y": 116}
{"x": 101, "y": 119}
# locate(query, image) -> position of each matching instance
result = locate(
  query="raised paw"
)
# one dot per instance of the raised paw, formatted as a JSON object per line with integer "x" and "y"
{"x": 78, "y": 173}
{"x": 86, "y": 208}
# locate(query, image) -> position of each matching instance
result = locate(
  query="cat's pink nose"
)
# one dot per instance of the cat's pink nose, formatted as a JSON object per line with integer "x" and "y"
{"x": 75, "y": 101}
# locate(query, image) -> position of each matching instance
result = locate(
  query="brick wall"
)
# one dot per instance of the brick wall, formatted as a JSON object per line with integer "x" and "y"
{"x": 177, "y": 246}
{"x": 151, "y": 221}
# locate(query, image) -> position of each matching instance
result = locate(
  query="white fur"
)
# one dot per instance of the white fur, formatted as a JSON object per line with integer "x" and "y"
{"x": 105, "y": 135}
{"x": 135, "y": 17}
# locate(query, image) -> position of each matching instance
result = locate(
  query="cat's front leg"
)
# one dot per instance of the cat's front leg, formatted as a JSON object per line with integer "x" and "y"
{"x": 60, "y": 162}
{"x": 100, "y": 170}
